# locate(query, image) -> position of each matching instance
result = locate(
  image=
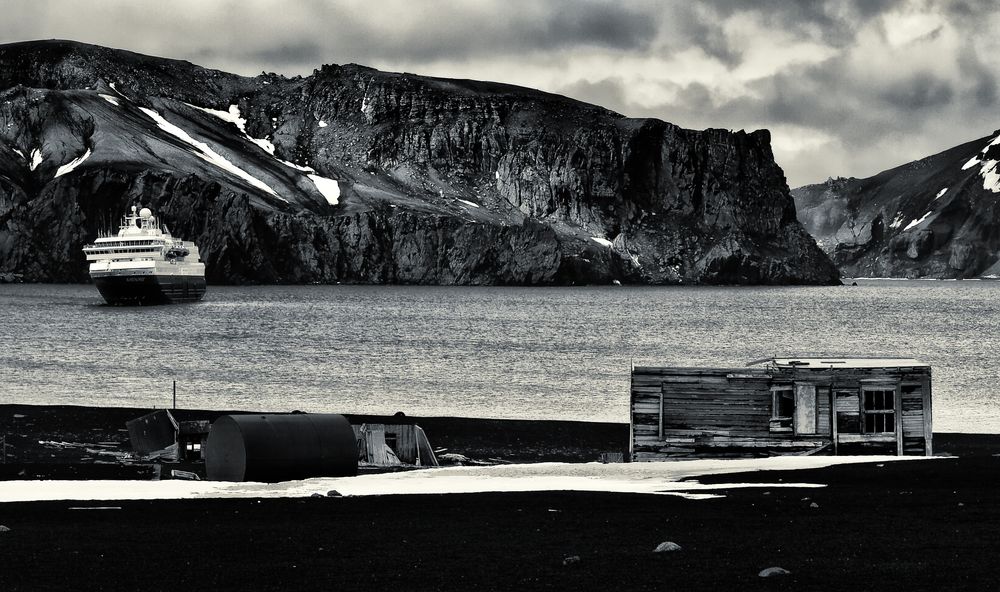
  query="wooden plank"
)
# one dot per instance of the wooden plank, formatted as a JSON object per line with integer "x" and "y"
{"x": 661, "y": 414}
{"x": 925, "y": 387}
{"x": 804, "y": 420}
{"x": 897, "y": 402}
{"x": 822, "y": 411}
{"x": 833, "y": 420}
{"x": 854, "y": 438}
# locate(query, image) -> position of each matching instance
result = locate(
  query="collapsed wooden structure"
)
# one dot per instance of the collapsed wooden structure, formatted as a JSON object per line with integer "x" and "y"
{"x": 782, "y": 406}
{"x": 389, "y": 444}
{"x": 158, "y": 436}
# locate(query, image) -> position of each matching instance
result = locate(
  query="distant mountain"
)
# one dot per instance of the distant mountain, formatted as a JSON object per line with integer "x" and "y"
{"x": 357, "y": 175}
{"x": 938, "y": 217}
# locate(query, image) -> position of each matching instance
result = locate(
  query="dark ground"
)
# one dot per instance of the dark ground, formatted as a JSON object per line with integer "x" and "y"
{"x": 915, "y": 525}
{"x": 97, "y": 435}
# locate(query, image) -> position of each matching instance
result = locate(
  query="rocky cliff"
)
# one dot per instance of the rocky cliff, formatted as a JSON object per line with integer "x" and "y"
{"x": 938, "y": 217}
{"x": 357, "y": 175}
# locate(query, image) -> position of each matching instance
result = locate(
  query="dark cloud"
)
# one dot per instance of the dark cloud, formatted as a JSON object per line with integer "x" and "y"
{"x": 285, "y": 54}
{"x": 584, "y": 23}
{"x": 833, "y": 22}
{"x": 608, "y": 93}
{"x": 944, "y": 93}
{"x": 704, "y": 30}
{"x": 919, "y": 92}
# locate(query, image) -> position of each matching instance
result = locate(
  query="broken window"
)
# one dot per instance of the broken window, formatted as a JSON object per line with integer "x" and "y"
{"x": 847, "y": 410}
{"x": 879, "y": 410}
{"x": 782, "y": 408}
{"x": 391, "y": 441}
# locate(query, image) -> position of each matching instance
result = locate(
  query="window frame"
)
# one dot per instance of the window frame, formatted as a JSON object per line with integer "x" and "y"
{"x": 782, "y": 423}
{"x": 881, "y": 413}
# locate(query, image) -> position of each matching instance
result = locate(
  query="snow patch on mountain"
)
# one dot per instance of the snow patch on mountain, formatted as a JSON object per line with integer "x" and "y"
{"x": 69, "y": 166}
{"x": 897, "y": 222}
{"x": 110, "y": 99}
{"x": 940, "y": 193}
{"x": 916, "y": 222}
{"x": 328, "y": 187}
{"x": 322, "y": 123}
{"x": 469, "y": 203}
{"x": 990, "y": 175}
{"x": 205, "y": 152}
{"x": 36, "y": 159}
{"x": 601, "y": 241}
{"x": 988, "y": 168}
{"x": 235, "y": 117}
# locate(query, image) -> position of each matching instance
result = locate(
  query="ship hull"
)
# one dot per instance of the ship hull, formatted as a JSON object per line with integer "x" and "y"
{"x": 150, "y": 289}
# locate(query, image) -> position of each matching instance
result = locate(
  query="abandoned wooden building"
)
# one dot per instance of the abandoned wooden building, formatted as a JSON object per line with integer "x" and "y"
{"x": 158, "y": 435}
{"x": 783, "y": 406}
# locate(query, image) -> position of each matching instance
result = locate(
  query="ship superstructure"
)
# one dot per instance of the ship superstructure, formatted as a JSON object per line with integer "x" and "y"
{"x": 144, "y": 264}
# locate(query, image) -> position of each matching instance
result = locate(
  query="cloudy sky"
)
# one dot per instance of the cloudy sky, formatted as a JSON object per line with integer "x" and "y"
{"x": 847, "y": 88}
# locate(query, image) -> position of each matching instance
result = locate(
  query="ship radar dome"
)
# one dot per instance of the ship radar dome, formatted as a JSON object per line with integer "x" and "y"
{"x": 145, "y": 213}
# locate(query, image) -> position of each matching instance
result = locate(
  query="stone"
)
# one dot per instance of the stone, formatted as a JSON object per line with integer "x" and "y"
{"x": 572, "y": 559}
{"x": 452, "y": 458}
{"x": 334, "y": 493}
{"x": 667, "y": 546}
{"x": 771, "y": 572}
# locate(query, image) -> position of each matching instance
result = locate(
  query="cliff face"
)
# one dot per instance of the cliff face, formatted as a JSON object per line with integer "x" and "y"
{"x": 356, "y": 175}
{"x": 938, "y": 217}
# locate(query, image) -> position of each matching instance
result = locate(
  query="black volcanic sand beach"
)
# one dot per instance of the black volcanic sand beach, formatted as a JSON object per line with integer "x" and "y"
{"x": 914, "y": 525}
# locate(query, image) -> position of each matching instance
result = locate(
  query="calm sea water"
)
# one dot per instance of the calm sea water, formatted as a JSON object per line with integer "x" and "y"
{"x": 537, "y": 353}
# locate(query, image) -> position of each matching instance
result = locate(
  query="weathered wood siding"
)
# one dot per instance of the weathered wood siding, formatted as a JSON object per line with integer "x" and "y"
{"x": 683, "y": 411}
{"x": 694, "y": 411}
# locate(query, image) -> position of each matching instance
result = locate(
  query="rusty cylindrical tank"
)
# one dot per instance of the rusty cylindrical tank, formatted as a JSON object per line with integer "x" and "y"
{"x": 273, "y": 448}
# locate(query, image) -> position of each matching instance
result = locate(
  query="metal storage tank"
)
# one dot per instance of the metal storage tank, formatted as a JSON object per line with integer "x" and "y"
{"x": 273, "y": 448}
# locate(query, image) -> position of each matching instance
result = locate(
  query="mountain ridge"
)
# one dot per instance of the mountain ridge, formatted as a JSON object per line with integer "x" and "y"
{"x": 935, "y": 217}
{"x": 356, "y": 175}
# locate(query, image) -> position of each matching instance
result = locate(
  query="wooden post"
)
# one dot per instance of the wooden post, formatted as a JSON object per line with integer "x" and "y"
{"x": 175, "y": 394}
{"x": 925, "y": 386}
{"x": 833, "y": 420}
{"x": 897, "y": 408}
{"x": 660, "y": 422}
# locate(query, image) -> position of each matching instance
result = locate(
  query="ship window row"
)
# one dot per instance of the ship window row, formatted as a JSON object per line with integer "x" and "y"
{"x": 132, "y": 243}
{"x": 120, "y": 251}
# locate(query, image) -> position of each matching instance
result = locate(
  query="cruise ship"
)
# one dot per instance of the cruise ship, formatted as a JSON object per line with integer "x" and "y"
{"x": 143, "y": 264}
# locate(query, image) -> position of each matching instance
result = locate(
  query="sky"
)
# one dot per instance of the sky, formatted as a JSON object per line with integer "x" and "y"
{"x": 846, "y": 87}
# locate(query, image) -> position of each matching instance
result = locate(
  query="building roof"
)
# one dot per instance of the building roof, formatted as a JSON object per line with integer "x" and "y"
{"x": 842, "y": 362}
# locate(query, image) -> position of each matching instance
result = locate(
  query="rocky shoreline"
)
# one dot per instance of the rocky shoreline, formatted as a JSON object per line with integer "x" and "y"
{"x": 917, "y": 525}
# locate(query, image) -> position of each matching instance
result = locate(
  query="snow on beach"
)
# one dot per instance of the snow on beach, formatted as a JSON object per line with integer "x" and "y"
{"x": 659, "y": 478}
